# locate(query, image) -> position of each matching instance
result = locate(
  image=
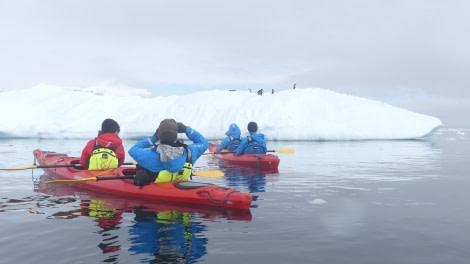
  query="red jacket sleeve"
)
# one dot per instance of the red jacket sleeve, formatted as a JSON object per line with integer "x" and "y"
{"x": 120, "y": 154}
{"x": 86, "y": 153}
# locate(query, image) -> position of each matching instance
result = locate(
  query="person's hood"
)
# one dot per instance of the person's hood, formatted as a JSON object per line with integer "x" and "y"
{"x": 172, "y": 158}
{"x": 109, "y": 140}
{"x": 233, "y": 131}
{"x": 257, "y": 136}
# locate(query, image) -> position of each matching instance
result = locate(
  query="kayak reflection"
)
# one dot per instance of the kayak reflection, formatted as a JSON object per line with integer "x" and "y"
{"x": 164, "y": 231}
{"x": 107, "y": 218}
{"x": 247, "y": 179}
{"x": 169, "y": 236}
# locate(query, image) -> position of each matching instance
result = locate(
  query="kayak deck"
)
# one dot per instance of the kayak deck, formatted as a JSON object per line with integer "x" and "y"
{"x": 187, "y": 192}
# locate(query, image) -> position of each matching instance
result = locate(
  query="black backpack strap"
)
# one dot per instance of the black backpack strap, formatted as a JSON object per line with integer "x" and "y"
{"x": 189, "y": 156}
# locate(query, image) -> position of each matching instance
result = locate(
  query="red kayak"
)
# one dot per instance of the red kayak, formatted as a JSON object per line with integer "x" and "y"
{"x": 116, "y": 203}
{"x": 184, "y": 192}
{"x": 263, "y": 162}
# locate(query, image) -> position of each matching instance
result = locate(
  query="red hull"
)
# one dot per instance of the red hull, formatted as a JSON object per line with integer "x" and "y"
{"x": 126, "y": 204}
{"x": 199, "y": 193}
{"x": 264, "y": 162}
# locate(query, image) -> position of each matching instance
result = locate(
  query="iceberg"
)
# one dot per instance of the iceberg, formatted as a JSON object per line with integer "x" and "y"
{"x": 47, "y": 111}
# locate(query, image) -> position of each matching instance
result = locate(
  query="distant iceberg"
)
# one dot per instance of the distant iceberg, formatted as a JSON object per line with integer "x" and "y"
{"x": 300, "y": 114}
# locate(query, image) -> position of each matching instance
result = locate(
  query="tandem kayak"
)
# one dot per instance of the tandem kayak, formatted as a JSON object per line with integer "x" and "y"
{"x": 183, "y": 192}
{"x": 106, "y": 202}
{"x": 263, "y": 162}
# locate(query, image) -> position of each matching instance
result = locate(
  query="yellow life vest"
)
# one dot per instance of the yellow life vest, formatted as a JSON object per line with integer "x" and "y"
{"x": 182, "y": 175}
{"x": 103, "y": 158}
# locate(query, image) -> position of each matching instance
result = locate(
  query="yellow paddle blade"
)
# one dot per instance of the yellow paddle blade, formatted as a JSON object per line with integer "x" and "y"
{"x": 209, "y": 174}
{"x": 21, "y": 168}
{"x": 73, "y": 181}
{"x": 285, "y": 151}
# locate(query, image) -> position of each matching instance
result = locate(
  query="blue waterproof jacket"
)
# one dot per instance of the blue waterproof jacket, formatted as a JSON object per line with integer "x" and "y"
{"x": 232, "y": 140}
{"x": 145, "y": 154}
{"x": 246, "y": 147}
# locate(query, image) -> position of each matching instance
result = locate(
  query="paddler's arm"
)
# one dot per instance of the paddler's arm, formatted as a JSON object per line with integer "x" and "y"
{"x": 224, "y": 144}
{"x": 199, "y": 145}
{"x": 141, "y": 150}
{"x": 146, "y": 142}
{"x": 242, "y": 146}
{"x": 120, "y": 154}
{"x": 263, "y": 142}
{"x": 86, "y": 153}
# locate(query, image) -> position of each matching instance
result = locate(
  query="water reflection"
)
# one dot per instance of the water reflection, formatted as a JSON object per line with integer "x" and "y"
{"x": 160, "y": 232}
{"x": 168, "y": 236}
{"x": 251, "y": 180}
{"x": 245, "y": 179}
{"x": 108, "y": 219}
{"x": 248, "y": 179}
{"x": 346, "y": 161}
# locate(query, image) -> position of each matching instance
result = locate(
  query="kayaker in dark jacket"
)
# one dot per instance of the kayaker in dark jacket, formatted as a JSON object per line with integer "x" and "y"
{"x": 232, "y": 140}
{"x": 170, "y": 160}
{"x": 106, "y": 150}
{"x": 253, "y": 143}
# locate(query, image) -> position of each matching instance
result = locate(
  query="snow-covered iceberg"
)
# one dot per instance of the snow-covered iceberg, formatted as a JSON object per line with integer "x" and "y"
{"x": 298, "y": 114}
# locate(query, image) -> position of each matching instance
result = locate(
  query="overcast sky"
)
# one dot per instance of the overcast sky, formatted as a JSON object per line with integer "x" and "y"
{"x": 414, "y": 53}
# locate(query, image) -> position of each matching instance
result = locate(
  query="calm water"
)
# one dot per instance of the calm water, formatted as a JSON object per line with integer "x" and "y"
{"x": 331, "y": 202}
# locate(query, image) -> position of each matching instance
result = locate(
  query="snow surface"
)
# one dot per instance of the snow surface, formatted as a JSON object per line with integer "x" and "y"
{"x": 48, "y": 111}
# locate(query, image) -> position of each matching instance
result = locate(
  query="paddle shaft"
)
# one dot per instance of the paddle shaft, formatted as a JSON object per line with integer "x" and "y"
{"x": 100, "y": 178}
{"x": 71, "y": 165}
{"x": 209, "y": 174}
{"x": 54, "y": 166}
{"x": 287, "y": 151}
{"x": 97, "y": 178}
{"x": 195, "y": 173}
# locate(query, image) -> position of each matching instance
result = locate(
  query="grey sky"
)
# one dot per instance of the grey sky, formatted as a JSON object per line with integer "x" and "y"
{"x": 412, "y": 54}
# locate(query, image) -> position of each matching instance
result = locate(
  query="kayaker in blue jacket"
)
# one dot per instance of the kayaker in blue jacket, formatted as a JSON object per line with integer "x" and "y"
{"x": 253, "y": 143}
{"x": 233, "y": 139}
{"x": 170, "y": 160}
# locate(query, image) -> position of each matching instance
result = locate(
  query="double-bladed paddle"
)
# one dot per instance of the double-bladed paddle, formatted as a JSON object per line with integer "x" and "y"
{"x": 54, "y": 166}
{"x": 208, "y": 174}
{"x": 97, "y": 178}
{"x": 285, "y": 151}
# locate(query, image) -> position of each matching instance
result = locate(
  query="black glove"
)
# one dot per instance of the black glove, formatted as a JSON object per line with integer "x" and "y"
{"x": 156, "y": 133}
{"x": 181, "y": 127}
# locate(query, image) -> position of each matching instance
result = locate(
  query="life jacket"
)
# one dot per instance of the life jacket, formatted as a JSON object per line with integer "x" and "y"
{"x": 103, "y": 157}
{"x": 100, "y": 209}
{"x": 182, "y": 175}
{"x": 233, "y": 144}
{"x": 253, "y": 147}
